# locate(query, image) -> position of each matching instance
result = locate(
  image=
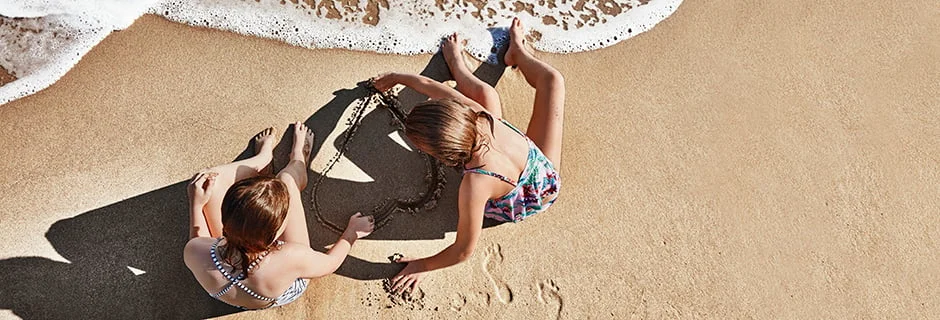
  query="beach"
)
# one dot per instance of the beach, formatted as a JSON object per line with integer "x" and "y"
{"x": 738, "y": 160}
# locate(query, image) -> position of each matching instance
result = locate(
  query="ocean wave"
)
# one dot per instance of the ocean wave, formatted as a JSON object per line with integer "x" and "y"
{"x": 41, "y": 40}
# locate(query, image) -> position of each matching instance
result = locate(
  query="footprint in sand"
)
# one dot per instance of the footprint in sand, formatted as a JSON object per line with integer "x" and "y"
{"x": 458, "y": 302}
{"x": 548, "y": 294}
{"x": 492, "y": 259}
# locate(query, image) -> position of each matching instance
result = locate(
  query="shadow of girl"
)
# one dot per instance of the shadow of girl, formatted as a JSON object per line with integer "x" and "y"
{"x": 146, "y": 232}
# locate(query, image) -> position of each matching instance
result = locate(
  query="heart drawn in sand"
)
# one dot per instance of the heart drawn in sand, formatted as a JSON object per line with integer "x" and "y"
{"x": 387, "y": 207}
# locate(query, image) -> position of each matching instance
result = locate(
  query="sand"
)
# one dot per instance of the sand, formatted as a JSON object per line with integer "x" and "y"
{"x": 5, "y": 77}
{"x": 741, "y": 160}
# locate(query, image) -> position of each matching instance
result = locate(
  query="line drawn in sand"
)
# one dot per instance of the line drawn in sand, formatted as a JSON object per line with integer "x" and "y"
{"x": 492, "y": 259}
{"x": 383, "y": 212}
{"x": 548, "y": 294}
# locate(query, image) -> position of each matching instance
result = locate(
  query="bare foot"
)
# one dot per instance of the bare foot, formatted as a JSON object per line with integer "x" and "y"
{"x": 303, "y": 142}
{"x": 264, "y": 145}
{"x": 452, "y": 48}
{"x": 516, "y": 43}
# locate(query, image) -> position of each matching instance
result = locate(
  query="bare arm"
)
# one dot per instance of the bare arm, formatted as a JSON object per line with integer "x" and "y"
{"x": 316, "y": 264}
{"x": 423, "y": 85}
{"x": 198, "y": 190}
{"x": 197, "y": 222}
{"x": 469, "y": 226}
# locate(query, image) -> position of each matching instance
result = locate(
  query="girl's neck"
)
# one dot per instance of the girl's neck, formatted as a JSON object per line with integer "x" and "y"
{"x": 481, "y": 155}
{"x": 485, "y": 143}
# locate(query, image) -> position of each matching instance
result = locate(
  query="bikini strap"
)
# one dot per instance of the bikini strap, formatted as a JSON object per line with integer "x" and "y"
{"x": 233, "y": 280}
{"x": 512, "y": 127}
{"x": 492, "y": 174}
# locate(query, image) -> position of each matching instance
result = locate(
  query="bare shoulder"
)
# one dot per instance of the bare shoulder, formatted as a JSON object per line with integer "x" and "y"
{"x": 297, "y": 258}
{"x": 290, "y": 248}
{"x": 199, "y": 242}
{"x": 476, "y": 187}
{"x": 196, "y": 250}
{"x": 475, "y": 106}
{"x": 295, "y": 253}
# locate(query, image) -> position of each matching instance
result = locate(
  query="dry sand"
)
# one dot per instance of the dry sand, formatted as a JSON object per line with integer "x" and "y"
{"x": 741, "y": 160}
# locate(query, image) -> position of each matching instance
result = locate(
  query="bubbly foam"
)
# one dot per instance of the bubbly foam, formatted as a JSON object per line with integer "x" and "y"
{"x": 41, "y": 40}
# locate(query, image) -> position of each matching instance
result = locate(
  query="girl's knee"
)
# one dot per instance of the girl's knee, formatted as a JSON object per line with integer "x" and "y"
{"x": 482, "y": 93}
{"x": 488, "y": 92}
{"x": 554, "y": 78}
{"x": 291, "y": 178}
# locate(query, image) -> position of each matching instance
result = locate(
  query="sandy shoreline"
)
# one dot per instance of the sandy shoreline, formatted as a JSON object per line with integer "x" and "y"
{"x": 762, "y": 160}
{"x": 5, "y": 77}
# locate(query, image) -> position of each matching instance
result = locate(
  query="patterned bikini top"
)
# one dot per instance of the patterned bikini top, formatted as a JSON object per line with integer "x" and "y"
{"x": 535, "y": 191}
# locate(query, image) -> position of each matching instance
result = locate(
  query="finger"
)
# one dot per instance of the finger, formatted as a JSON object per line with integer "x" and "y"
{"x": 408, "y": 283}
{"x": 414, "y": 285}
{"x": 397, "y": 284}
{"x": 358, "y": 214}
{"x": 396, "y": 288}
{"x": 200, "y": 179}
{"x": 208, "y": 183}
{"x": 196, "y": 177}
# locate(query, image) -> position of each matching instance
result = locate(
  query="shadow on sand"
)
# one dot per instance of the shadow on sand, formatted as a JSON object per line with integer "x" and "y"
{"x": 148, "y": 232}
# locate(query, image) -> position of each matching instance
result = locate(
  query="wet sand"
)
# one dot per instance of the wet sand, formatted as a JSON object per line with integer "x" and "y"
{"x": 766, "y": 160}
{"x": 5, "y": 77}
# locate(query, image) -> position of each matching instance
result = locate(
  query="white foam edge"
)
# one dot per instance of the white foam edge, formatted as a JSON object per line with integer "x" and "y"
{"x": 32, "y": 80}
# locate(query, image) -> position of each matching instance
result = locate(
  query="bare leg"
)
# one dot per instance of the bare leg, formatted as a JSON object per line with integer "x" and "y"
{"x": 295, "y": 176}
{"x": 545, "y": 127}
{"x": 236, "y": 171}
{"x": 467, "y": 83}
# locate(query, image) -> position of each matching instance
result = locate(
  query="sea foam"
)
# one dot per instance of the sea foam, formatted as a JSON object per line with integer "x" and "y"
{"x": 41, "y": 40}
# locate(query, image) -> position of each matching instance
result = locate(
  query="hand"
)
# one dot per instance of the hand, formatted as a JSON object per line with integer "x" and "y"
{"x": 360, "y": 225}
{"x": 200, "y": 188}
{"x": 410, "y": 277}
{"x": 385, "y": 81}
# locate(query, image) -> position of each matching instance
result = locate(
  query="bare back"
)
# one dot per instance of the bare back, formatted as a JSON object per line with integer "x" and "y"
{"x": 507, "y": 155}
{"x": 271, "y": 278}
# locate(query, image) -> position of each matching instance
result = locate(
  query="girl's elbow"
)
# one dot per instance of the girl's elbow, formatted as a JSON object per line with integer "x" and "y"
{"x": 336, "y": 264}
{"x": 464, "y": 255}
